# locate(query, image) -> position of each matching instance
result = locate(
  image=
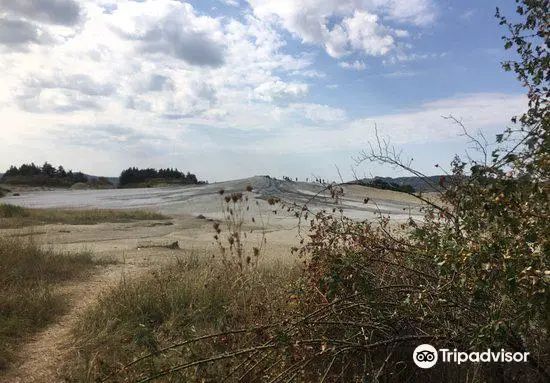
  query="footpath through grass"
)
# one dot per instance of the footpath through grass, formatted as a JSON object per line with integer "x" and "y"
{"x": 29, "y": 274}
{"x": 12, "y": 216}
{"x": 194, "y": 297}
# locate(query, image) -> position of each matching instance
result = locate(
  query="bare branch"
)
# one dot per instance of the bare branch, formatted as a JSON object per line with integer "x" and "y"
{"x": 479, "y": 144}
{"x": 339, "y": 174}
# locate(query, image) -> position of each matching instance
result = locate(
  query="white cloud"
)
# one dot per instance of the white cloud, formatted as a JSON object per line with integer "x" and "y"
{"x": 357, "y": 65}
{"x": 336, "y": 41}
{"x": 132, "y": 67}
{"x": 233, "y": 3}
{"x": 358, "y": 24}
{"x": 401, "y": 57}
{"x": 62, "y": 12}
{"x": 401, "y": 33}
{"x": 365, "y": 34}
{"x": 175, "y": 30}
{"x": 310, "y": 113}
{"x": 139, "y": 83}
{"x": 279, "y": 90}
{"x": 400, "y": 74}
{"x": 193, "y": 63}
{"x": 417, "y": 12}
{"x": 81, "y": 83}
{"x": 17, "y": 34}
{"x": 311, "y": 73}
{"x": 467, "y": 15}
{"x": 420, "y": 125}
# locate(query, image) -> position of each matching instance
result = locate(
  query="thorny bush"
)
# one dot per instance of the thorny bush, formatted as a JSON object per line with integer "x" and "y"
{"x": 232, "y": 233}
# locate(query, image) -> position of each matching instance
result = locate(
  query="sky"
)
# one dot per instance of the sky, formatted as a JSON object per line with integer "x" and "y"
{"x": 229, "y": 89}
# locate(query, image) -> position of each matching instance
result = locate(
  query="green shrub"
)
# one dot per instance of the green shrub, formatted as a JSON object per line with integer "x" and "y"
{"x": 10, "y": 211}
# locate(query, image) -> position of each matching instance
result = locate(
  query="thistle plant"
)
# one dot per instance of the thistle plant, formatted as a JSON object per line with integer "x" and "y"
{"x": 231, "y": 235}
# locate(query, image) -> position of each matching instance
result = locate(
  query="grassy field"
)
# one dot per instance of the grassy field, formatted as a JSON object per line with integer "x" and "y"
{"x": 12, "y": 216}
{"x": 192, "y": 298}
{"x": 29, "y": 274}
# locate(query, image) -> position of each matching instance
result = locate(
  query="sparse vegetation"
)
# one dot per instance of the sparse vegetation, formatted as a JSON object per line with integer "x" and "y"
{"x": 29, "y": 274}
{"x": 380, "y": 183}
{"x": 12, "y": 216}
{"x": 196, "y": 297}
{"x": 231, "y": 234}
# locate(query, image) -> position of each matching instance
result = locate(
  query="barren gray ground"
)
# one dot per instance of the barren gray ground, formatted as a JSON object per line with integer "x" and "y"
{"x": 204, "y": 199}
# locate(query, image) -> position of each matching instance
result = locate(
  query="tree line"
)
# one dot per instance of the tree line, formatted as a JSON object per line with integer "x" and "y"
{"x": 47, "y": 174}
{"x": 134, "y": 175}
{"x": 380, "y": 183}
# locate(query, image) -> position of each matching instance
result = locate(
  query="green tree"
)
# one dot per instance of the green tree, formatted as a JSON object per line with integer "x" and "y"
{"x": 48, "y": 169}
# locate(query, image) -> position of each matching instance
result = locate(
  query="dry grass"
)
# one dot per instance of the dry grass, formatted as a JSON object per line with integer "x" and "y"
{"x": 28, "y": 276}
{"x": 12, "y": 216}
{"x": 194, "y": 297}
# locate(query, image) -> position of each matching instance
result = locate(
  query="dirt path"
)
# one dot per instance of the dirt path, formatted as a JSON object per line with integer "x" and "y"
{"x": 40, "y": 358}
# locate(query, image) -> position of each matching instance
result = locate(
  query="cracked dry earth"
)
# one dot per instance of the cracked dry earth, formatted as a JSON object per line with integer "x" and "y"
{"x": 40, "y": 357}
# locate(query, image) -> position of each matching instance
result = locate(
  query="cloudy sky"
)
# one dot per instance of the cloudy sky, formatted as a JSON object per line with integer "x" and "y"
{"x": 233, "y": 88}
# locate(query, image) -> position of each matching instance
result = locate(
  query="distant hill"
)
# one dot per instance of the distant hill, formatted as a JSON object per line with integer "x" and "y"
{"x": 112, "y": 180}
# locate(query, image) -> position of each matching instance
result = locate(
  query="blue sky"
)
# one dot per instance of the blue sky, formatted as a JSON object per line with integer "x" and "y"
{"x": 233, "y": 88}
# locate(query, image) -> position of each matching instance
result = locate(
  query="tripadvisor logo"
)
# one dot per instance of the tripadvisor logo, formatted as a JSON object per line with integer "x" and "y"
{"x": 426, "y": 356}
